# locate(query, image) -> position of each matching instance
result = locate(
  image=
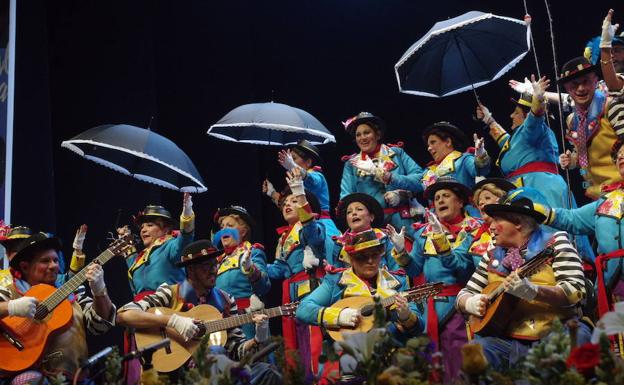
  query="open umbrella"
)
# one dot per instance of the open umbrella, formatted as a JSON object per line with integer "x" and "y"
{"x": 270, "y": 123}
{"x": 461, "y": 54}
{"x": 140, "y": 153}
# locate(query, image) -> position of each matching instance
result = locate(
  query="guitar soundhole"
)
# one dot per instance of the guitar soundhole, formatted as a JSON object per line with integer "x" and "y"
{"x": 367, "y": 310}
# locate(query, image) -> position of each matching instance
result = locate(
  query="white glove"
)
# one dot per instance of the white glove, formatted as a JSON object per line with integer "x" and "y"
{"x": 398, "y": 239}
{"x": 367, "y": 165}
{"x": 539, "y": 86}
{"x": 122, "y": 231}
{"x": 392, "y": 198}
{"x": 310, "y": 260}
{"x": 185, "y": 326}
{"x": 484, "y": 114}
{"x": 522, "y": 88}
{"x": 608, "y": 31}
{"x": 285, "y": 158}
{"x": 187, "y": 205}
{"x": 567, "y": 160}
{"x": 474, "y": 305}
{"x": 262, "y": 331}
{"x": 81, "y": 233}
{"x": 479, "y": 144}
{"x": 434, "y": 222}
{"x": 295, "y": 183}
{"x": 95, "y": 276}
{"x": 268, "y": 188}
{"x": 23, "y": 307}
{"x": 255, "y": 303}
{"x": 416, "y": 209}
{"x": 245, "y": 262}
{"x": 348, "y": 317}
{"x": 521, "y": 288}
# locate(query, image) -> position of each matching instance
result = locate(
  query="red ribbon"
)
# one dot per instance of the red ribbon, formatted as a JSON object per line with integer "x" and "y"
{"x": 548, "y": 167}
{"x": 432, "y": 316}
{"x": 603, "y": 300}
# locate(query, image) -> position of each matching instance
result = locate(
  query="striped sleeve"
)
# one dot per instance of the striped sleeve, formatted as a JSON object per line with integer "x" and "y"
{"x": 235, "y": 344}
{"x": 94, "y": 323}
{"x": 5, "y": 294}
{"x": 479, "y": 279}
{"x": 161, "y": 298}
{"x": 568, "y": 268}
{"x": 615, "y": 114}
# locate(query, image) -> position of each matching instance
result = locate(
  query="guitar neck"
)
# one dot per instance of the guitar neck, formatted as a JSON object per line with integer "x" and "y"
{"x": 240, "y": 319}
{"x": 70, "y": 286}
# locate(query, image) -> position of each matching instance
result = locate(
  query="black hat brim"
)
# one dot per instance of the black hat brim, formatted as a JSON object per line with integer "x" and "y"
{"x": 200, "y": 259}
{"x": 501, "y": 183}
{"x": 28, "y": 246}
{"x": 594, "y": 68}
{"x": 232, "y": 211}
{"x": 371, "y": 204}
{"x": 375, "y": 120}
{"x": 460, "y": 140}
{"x": 315, "y": 156}
{"x": 494, "y": 209}
{"x": 463, "y": 190}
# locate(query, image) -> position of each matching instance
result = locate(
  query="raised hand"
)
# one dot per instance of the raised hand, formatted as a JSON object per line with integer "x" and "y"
{"x": 539, "y": 86}
{"x": 479, "y": 144}
{"x": 398, "y": 239}
{"x": 484, "y": 114}
{"x": 434, "y": 222}
{"x": 284, "y": 157}
{"x": 187, "y": 205}
{"x": 267, "y": 188}
{"x": 521, "y": 87}
{"x": 295, "y": 181}
{"x": 367, "y": 165}
{"x": 245, "y": 262}
{"x": 81, "y": 233}
{"x": 608, "y": 31}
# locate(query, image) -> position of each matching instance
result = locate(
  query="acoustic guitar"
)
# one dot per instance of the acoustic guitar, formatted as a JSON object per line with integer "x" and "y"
{"x": 501, "y": 304}
{"x": 366, "y": 305}
{"x": 23, "y": 340}
{"x": 211, "y": 323}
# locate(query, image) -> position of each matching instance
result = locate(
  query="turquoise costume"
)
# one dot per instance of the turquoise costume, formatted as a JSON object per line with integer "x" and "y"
{"x": 406, "y": 174}
{"x": 463, "y": 167}
{"x": 340, "y": 258}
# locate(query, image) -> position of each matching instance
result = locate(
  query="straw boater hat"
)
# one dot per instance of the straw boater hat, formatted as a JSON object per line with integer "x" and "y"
{"x": 364, "y": 240}
{"x": 198, "y": 252}
{"x": 364, "y": 118}
{"x": 520, "y": 201}
{"x": 309, "y": 149}
{"x": 371, "y": 204}
{"x": 40, "y": 241}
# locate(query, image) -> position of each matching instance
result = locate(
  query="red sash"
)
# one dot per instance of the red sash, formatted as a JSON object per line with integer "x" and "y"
{"x": 432, "y": 316}
{"x": 548, "y": 167}
{"x": 604, "y": 304}
{"x": 242, "y": 304}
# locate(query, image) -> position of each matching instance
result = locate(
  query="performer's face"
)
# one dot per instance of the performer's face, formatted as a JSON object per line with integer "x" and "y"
{"x": 447, "y": 205}
{"x": 233, "y": 223}
{"x": 617, "y": 52}
{"x": 582, "y": 89}
{"x": 204, "y": 275}
{"x": 366, "y": 263}
{"x": 366, "y": 138}
{"x": 505, "y": 233}
{"x": 289, "y": 209}
{"x": 439, "y": 148}
{"x": 43, "y": 268}
{"x": 358, "y": 217}
{"x": 151, "y": 231}
{"x": 517, "y": 117}
{"x": 486, "y": 198}
{"x": 619, "y": 161}
{"x": 301, "y": 162}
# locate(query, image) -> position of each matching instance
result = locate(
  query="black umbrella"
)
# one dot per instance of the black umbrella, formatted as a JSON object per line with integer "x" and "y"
{"x": 140, "y": 153}
{"x": 270, "y": 123}
{"x": 461, "y": 54}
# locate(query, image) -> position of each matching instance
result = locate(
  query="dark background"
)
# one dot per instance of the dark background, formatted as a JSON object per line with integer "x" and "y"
{"x": 187, "y": 63}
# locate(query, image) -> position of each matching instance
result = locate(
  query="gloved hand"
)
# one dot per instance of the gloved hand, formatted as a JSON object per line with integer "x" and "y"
{"x": 567, "y": 160}
{"x": 392, "y": 198}
{"x": 187, "y": 205}
{"x": 262, "y": 327}
{"x": 402, "y": 308}
{"x": 479, "y": 144}
{"x": 284, "y": 157}
{"x": 255, "y": 303}
{"x": 267, "y": 188}
{"x": 246, "y": 264}
{"x": 349, "y": 317}
{"x": 608, "y": 31}
{"x": 185, "y": 326}
{"x": 95, "y": 276}
{"x": 476, "y": 304}
{"x": 522, "y": 88}
{"x": 81, "y": 234}
{"x": 398, "y": 239}
{"x": 434, "y": 222}
{"x": 310, "y": 260}
{"x": 23, "y": 307}
{"x": 484, "y": 114}
{"x": 295, "y": 182}
{"x": 539, "y": 86}
{"x": 123, "y": 231}
{"x": 521, "y": 288}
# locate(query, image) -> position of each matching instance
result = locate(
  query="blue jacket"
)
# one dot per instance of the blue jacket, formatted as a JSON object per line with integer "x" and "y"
{"x": 339, "y": 257}
{"x": 406, "y": 174}
{"x": 316, "y": 308}
{"x": 315, "y": 182}
{"x": 464, "y": 167}
{"x": 156, "y": 265}
{"x": 231, "y": 278}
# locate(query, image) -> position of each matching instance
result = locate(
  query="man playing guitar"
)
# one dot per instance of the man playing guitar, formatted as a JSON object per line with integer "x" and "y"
{"x": 37, "y": 262}
{"x": 551, "y": 289}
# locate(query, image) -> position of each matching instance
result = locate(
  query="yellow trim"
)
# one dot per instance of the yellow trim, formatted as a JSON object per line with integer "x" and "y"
{"x": 305, "y": 213}
{"x": 440, "y": 243}
{"x": 329, "y": 316}
{"x": 77, "y": 262}
{"x": 366, "y": 245}
{"x": 402, "y": 258}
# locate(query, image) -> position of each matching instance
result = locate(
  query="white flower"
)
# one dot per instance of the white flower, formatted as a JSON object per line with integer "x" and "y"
{"x": 362, "y": 345}
{"x": 611, "y": 323}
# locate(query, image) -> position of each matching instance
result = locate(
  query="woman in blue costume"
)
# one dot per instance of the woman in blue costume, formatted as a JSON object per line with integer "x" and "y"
{"x": 242, "y": 265}
{"x": 447, "y": 145}
{"x": 440, "y": 252}
{"x": 379, "y": 170}
{"x": 306, "y": 157}
{"x": 156, "y": 263}
{"x": 528, "y": 155}
{"x": 298, "y": 255}
{"x": 361, "y": 212}
{"x": 365, "y": 277}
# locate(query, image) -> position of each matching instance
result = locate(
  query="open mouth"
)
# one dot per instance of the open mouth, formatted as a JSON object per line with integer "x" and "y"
{"x": 288, "y": 210}
{"x": 355, "y": 220}
{"x": 442, "y": 208}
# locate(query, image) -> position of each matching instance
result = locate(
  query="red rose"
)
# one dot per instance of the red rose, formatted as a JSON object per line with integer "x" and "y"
{"x": 584, "y": 358}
